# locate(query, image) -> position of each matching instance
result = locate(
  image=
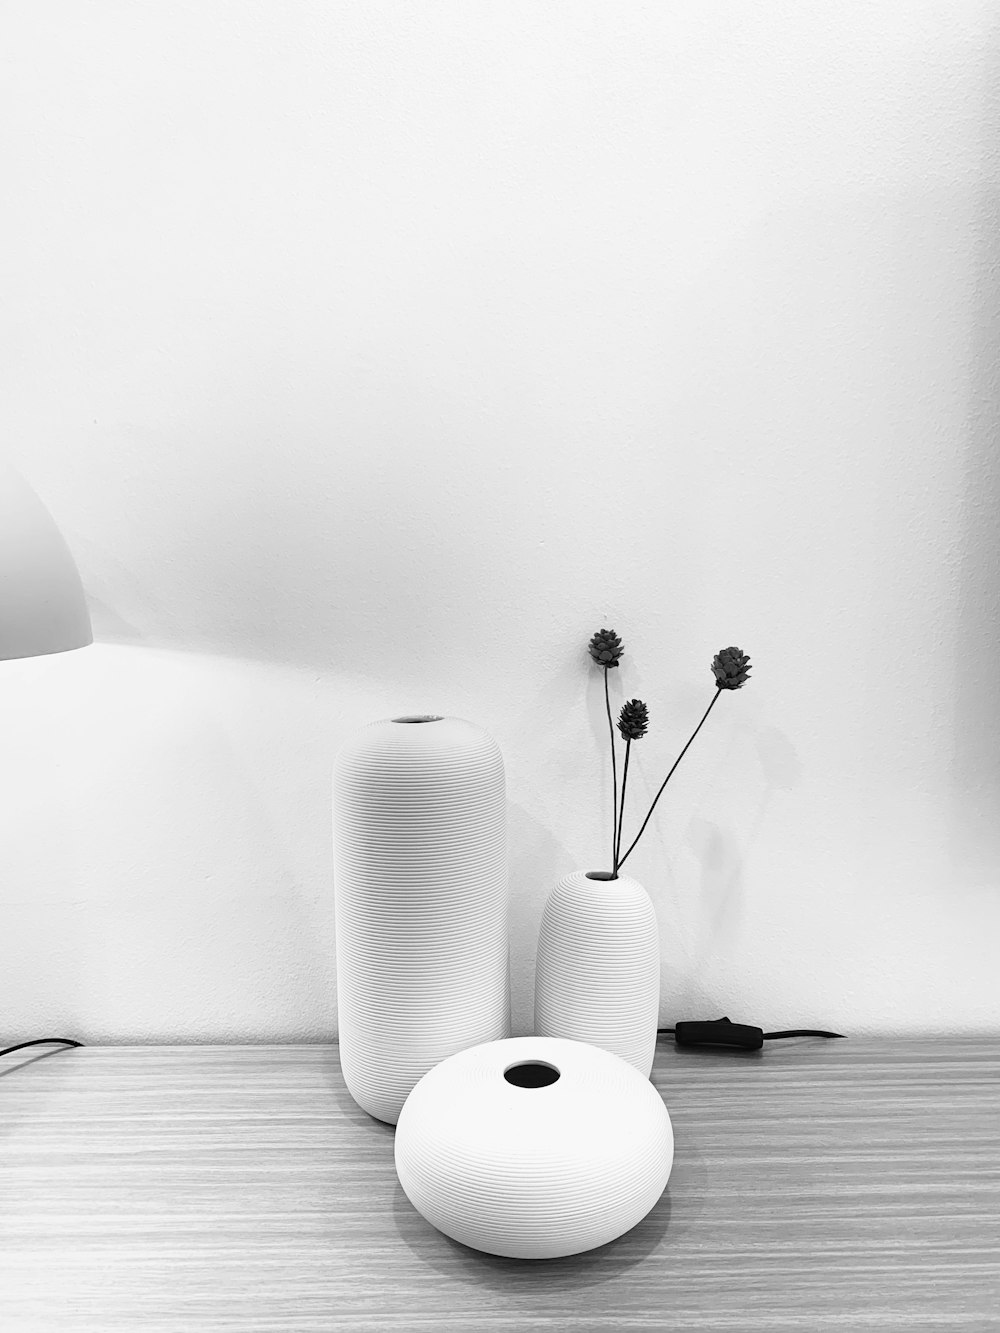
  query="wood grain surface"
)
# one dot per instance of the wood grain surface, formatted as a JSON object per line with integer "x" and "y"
{"x": 816, "y": 1184}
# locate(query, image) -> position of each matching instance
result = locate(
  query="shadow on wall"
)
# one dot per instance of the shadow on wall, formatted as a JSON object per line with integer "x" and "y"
{"x": 974, "y": 832}
{"x": 722, "y": 857}
{"x": 533, "y": 857}
{"x": 306, "y": 544}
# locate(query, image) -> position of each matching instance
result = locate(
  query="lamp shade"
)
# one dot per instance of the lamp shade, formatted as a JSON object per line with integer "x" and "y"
{"x": 42, "y": 604}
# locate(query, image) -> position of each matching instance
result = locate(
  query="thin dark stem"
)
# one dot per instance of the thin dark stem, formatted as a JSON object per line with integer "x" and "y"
{"x": 621, "y": 817}
{"x": 614, "y": 774}
{"x": 667, "y": 779}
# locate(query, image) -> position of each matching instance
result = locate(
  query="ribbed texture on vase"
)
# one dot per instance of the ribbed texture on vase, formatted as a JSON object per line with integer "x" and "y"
{"x": 421, "y": 903}
{"x": 597, "y": 969}
{"x": 534, "y": 1172}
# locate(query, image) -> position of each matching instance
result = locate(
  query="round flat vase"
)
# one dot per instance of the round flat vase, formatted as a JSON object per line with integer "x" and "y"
{"x": 421, "y": 902}
{"x": 534, "y": 1147}
{"x": 597, "y": 969}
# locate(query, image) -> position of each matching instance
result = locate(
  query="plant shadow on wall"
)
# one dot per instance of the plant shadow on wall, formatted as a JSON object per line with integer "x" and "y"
{"x": 722, "y": 859}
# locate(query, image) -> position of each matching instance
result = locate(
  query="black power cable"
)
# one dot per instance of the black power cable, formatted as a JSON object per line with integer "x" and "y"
{"x": 42, "y": 1041}
{"x": 721, "y": 1032}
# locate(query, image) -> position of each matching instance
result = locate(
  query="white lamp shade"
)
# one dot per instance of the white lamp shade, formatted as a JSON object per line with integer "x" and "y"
{"x": 43, "y": 608}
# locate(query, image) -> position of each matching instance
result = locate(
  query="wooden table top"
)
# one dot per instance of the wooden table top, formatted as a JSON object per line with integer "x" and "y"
{"x": 816, "y": 1184}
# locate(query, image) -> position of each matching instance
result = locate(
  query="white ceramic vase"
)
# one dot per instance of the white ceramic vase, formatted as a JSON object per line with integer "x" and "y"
{"x": 421, "y": 902}
{"x": 534, "y": 1147}
{"x": 597, "y": 969}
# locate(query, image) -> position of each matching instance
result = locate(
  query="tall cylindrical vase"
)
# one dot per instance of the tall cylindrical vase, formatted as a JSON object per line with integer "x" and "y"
{"x": 421, "y": 902}
{"x": 597, "y": 969}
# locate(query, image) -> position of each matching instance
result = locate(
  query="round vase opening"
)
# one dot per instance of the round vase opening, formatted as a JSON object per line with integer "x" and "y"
{"x": 425, "y": 717}
{"x": 531, "y": 1074}
{"x": 601, "y": 874}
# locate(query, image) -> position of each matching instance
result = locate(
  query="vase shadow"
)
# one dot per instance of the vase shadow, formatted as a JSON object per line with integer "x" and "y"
{"x": 506, "y": 1276}
{"x": 535, "y": 858}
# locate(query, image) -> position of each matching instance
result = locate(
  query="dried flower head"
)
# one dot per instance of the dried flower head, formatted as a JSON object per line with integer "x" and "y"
{"x": 605, "y": 648}
{"x": 731, "y": 668}
{"x": 633, "y": 720}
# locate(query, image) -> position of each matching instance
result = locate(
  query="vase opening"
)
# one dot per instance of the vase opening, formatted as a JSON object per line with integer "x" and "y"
{"x": 601, "y": 874}
{"x": 531, "y": 1074}
{"x": 426, "y": 717}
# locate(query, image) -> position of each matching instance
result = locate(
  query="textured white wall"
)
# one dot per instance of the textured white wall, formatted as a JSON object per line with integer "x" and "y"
{"x": 372, "y": 356}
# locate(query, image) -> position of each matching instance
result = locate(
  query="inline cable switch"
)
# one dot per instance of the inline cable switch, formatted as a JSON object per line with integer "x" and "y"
{"x": 719, "y": 1032}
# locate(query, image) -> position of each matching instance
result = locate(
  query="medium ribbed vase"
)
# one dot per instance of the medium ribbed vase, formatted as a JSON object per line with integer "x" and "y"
{"x": 421, "y": 902}
{"x": 597, "y": 969}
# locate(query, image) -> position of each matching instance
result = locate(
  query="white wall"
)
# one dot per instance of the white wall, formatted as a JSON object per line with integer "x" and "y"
{"x": 373, "y": 356}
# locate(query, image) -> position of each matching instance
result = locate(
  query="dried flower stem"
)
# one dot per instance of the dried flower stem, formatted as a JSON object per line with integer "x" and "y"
{"x": 619, "y": 864}
{"x": 614, "y": 779}
{"x": 621, "y": 817}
